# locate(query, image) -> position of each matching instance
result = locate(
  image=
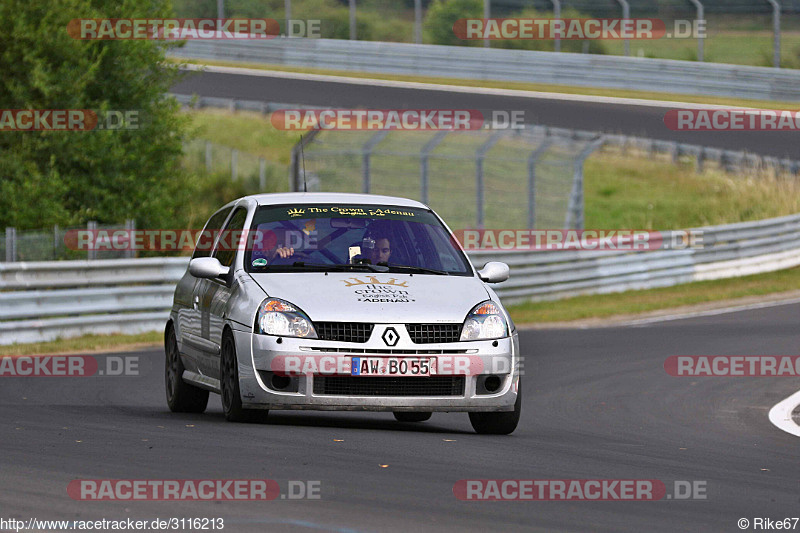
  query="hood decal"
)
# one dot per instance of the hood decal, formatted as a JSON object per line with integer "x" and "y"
{"x": 375, "y": 290}
{"x": 376, "y": 298}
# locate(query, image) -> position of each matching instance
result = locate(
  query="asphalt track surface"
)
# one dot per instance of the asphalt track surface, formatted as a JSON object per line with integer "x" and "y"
{"x": 597, "y": 405}
{"x": 645, "y": 121}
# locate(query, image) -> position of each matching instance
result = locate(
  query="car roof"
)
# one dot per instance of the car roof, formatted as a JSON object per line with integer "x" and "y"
{"x": 332, "y": 198}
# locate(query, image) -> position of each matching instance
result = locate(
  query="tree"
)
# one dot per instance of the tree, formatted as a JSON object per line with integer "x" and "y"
{"x": 69, "y": 177}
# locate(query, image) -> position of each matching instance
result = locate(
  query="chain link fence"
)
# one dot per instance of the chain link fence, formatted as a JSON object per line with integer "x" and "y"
{"x": 473, "y": 179}
{"x": 58, "y": 243}
{"x": 209, "y": 158}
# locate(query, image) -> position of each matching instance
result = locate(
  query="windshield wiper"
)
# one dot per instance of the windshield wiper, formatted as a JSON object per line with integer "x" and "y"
{"x": 407, "y": 268}
{"x": 342, "y": 267}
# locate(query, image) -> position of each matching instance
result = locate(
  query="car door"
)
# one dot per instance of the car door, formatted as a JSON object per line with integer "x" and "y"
{"x": 215, "y": 293}
{"x": 190, "y": 316}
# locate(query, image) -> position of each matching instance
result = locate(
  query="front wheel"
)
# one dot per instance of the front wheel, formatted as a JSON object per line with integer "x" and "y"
{"x": 229, "y": 386}
{"x": 406, "y": 416}
{"x": 181, "y": 397}
{"x": 502, "y": 423}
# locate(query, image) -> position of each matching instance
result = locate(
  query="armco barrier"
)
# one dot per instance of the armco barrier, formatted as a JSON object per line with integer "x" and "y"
{"x": 69, "y": 298}
{"x": 587, "y": 70}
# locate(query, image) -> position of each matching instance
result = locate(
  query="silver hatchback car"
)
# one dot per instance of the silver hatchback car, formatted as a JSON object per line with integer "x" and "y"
{"x": 340, "y": 302}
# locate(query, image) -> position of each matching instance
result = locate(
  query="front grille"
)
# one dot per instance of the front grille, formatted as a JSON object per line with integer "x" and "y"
{"x": 343, "y": 331}
{"x": 383, "y": 351}
{"x": 379, "y": 386}
{"x": 434, "y": 333}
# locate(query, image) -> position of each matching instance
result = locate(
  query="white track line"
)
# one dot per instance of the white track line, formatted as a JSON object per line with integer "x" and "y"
{"x": 781, "y": 414}
{"x": 710, "y": 312}
{"x": 372, "y": 82}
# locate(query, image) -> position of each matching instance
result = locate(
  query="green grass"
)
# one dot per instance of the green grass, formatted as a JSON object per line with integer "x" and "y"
{"x": 521, "y": 86}
{"x": 247, "y": 131}
{"x": 655, "y": 194}
{"x": 86, "y": 344}
{"x": 752, "y": 48}
{"x": 631, "y": 302}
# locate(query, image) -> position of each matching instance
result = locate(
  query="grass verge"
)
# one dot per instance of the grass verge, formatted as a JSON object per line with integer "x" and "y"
{"x": 632, "y": 302}
{"x": 521, "y": 86}
{"x": 87, "y": 344}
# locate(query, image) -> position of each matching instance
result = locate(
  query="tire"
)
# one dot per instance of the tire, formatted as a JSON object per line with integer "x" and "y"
{"x": 229, "y": 386}
{"x": 502, "y": 423}
{"x": 406, "y": 416}
{"x": 181, "y": 396}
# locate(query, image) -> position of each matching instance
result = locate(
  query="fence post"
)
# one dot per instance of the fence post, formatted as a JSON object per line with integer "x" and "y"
{"x": 423, "y": 163}
{"x": 532, "y": 180}
{"x": 287, "y": 8}
{"x": 352, "y": 20}
{"x": 626, "y": 14}
{"x": 557, "y": 15}
{"x": 11, "y": 245}
{"x": 701, "y": 156}
{"x": 418, "y": 21}
{"x": 776, "y": 33}
{"x": 55, "y": 242}
{"x": 130, "y": 226}
{"x": 91, "y": 253}
{"x": 234, "y": 164}
{"x": 574, "y": 218}
{"x": 208, "y": 157}
{"x": 262, "y": 174}
{"x": 487, "y": 13}
{"x": 297, "y": 163}
{"x": 366, "y": 152}
{"x": 480, "y": 155}
{"x": 700, "y": 38}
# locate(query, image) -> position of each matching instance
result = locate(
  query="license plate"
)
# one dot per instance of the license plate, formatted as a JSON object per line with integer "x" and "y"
{"x": 391, "y": 366}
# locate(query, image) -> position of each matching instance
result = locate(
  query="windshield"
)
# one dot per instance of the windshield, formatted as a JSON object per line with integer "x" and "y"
{"x": 335, "y": 237}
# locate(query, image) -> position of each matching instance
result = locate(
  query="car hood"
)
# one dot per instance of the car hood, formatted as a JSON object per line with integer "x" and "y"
{"x": 378, "y": 298}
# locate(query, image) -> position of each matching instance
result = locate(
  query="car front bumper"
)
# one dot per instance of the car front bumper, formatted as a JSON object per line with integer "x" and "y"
{"x": 259, "y": 354}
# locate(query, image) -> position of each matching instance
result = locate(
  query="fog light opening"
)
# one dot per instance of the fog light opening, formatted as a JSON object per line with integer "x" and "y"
{"x": 280, "y": 382}
{"x": 492, "y": 383}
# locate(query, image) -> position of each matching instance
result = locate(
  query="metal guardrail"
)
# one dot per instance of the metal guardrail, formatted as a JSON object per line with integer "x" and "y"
{"x": 70, "y": 298}
{"x": 586, "y": 70}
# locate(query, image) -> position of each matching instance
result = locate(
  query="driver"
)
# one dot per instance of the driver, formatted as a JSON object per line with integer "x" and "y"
{"x": 376, "y": 245}
{"x": 381, "y": 250}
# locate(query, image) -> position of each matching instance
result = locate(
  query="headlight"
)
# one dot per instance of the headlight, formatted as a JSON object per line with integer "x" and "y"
{"x": 279, "y": 317}
{"x": 485, "y": 321}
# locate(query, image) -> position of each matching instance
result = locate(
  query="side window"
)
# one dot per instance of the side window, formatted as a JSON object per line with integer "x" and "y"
{"x": 206, "y": 239}
{"x": 228, "y": 244}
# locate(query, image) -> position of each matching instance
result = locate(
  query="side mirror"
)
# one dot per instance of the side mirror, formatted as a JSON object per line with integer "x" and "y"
{"x": 207, "y": 267}
{"x": 494, "y": 272}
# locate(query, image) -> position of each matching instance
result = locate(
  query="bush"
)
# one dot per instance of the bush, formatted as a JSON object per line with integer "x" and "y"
{"x": 67, "y": 178}
{"x": 443, "y": 14}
